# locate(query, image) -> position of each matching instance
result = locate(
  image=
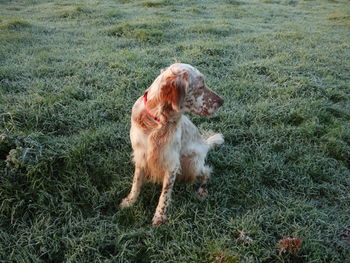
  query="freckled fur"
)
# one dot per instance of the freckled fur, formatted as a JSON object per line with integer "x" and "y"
{"x": 172, "y": 149}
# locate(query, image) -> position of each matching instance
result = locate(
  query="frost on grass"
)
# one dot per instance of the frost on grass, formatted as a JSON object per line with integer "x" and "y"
{"x": 143, "y": 32}
{"x": 70, "y": 73}
{"x": 14, "y": 24}
{"x": 73, "y": 11}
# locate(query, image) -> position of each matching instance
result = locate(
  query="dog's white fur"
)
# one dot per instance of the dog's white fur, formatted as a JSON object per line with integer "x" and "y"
{"x": 170, "y": 147}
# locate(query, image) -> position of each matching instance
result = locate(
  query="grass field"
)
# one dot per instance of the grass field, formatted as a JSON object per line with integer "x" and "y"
{"x": 69, "y": 74}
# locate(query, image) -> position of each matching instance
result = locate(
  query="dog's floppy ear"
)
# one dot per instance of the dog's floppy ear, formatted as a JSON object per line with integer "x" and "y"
{"x": 173, "y": 89}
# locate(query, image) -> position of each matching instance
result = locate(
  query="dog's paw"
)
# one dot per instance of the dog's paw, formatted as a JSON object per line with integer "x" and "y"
{"x": 202, "y": 192}
{"x": 126, "y": 202}
{"x": 159, "y": 220}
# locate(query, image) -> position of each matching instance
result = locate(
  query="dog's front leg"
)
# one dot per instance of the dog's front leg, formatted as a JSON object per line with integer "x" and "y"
{"x": 139, "y": 178}
{"x": 165, "y": 198}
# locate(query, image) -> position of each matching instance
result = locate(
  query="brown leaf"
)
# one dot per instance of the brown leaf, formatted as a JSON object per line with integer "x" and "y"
{"x": 289, "y": 245}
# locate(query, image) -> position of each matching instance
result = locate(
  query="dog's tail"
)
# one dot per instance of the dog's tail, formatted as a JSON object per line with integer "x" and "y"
{"x": 215, "y": 139}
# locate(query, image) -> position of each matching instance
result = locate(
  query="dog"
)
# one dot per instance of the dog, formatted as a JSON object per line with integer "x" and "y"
{"x": 167, "y": 146}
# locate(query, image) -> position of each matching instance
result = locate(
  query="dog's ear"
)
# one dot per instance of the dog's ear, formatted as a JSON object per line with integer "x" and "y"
{"x": 173, "y": 89}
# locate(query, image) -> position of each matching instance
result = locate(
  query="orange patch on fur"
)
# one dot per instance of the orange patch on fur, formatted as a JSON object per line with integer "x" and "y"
{"x": 173, "y": 90}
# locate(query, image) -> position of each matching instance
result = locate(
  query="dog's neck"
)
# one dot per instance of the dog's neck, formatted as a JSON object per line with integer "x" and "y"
{"x": 149, "y": 112}
{"x": 160, "y": 111}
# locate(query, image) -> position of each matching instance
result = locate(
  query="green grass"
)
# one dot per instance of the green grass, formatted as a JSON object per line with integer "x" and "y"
{"x": 70, "y": 72}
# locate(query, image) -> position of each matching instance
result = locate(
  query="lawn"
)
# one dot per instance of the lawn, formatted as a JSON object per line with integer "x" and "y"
{"x": 70, "y": 72}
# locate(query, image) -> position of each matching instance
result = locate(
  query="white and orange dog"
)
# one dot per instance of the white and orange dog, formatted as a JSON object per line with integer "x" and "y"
{"x": 167, "y": 146}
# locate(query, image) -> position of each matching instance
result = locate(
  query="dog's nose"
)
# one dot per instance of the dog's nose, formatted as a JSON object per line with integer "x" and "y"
{"x": 220, "y": 102}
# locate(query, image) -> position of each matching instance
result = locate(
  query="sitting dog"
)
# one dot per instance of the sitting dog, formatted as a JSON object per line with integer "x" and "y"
{"x": 167, "y": 146}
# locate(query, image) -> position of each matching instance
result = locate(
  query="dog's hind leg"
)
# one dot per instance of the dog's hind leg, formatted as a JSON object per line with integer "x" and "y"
{"x": 139, "y": 178}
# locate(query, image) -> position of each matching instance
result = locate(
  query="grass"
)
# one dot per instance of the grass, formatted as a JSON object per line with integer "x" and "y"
{"x": 69, "y": 74}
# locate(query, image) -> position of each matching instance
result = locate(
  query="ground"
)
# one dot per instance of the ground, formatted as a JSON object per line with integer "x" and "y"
{"x": 70, "y": 72}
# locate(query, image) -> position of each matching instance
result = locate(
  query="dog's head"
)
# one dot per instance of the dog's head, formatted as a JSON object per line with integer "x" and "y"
{"x": 183, "y": 87}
